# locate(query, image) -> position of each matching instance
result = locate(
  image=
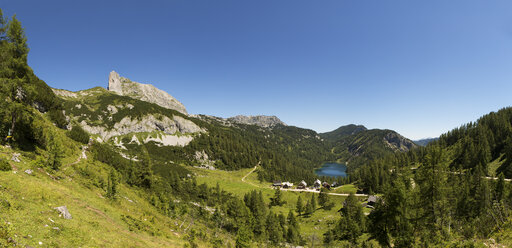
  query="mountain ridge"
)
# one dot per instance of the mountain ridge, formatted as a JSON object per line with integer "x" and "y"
{"x": 258, "y": 120}
{"x": 425, "y": 141}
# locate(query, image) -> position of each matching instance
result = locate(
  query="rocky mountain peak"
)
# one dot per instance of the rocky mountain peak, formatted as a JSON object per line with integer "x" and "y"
{"x": 114, "y": 83}
{"x": 398, "y": 142}
{"x": 258, "y": 120}
{"x": 145, "y": 92}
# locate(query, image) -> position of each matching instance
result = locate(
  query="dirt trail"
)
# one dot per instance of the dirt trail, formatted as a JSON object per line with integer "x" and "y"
{"x": 82, "y": 155}
{"x": 243, "y": 178}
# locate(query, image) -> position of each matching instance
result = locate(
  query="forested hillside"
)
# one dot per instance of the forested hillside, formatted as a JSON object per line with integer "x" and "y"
{"x": 452, "y": 190}
{"x": 356, "y": 144}
{"x": 342, "y": 132}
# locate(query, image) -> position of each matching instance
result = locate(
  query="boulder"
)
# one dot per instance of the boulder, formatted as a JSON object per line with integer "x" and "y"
{"x": 16, "y": 157}
{"x": 63, "y": 210}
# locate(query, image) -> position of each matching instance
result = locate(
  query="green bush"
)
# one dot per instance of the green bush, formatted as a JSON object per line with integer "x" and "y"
{"x": 4, "y": 165}
{"x": 77, "y": 133}
{"x": 5, "y": 235}
{"x": 58, "y": 118}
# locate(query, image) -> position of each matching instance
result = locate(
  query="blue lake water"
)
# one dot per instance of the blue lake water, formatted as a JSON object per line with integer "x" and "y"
{"x": 332, "y": 170}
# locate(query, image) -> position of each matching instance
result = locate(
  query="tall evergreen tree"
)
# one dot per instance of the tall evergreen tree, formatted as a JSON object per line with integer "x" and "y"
{"x": 313, "y": 202}
{"x": 113, "y": 181}
{"x": 500, "y": 188}
{"x": 300, "y": 205}
{"x": 274, "y": 229}
{"x": 243, "y": 237}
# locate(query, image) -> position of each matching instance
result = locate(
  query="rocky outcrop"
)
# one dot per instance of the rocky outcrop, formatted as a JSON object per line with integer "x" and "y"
{"x": 258, "y": 120}
{"x": 144, "y": 92}
{"x": 64, "y": 93}
{"x": 64, "y": 212}
{"x": 170, "y": 140}
{"x": 202, "y": 158}
{"x": 148, "y": 123}
{"x": 398, "y": 142}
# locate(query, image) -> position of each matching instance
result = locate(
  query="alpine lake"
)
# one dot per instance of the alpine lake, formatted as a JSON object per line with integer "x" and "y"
{"x": 332, "y": 169}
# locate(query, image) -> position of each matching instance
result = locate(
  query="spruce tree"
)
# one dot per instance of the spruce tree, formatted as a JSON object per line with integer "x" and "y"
{"x": 323, "y": 200}
{"x": 274, "y": 229}
{"x": 300, "y": 206}
{"x": 313, "y": 202}
{"x": 243, "y": 237}
{"x": 113, "y": 181}
{"x": 500, "y": 188}
{"x": 277, "y": 199}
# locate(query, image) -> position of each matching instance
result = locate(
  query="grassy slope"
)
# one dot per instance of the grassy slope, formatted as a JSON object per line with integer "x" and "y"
{"x": 96, "y": 221}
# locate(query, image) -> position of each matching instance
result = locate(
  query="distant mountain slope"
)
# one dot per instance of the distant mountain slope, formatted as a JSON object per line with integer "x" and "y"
{"x": 356, "y": 144}
{"x": 258, "y": 120}
{"x": 342, "y": 132}
{"x": 424, "y": 142}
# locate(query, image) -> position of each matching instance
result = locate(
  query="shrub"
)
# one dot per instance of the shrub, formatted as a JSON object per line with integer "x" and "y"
{"x": 78, "y": 134}
{"x": 4, "y": 165}
{"x": 5, "y": 234}
{"x": 58, "y": 118}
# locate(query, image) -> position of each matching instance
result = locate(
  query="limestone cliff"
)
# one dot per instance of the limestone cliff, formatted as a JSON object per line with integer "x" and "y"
{"x": 144, "y": 92}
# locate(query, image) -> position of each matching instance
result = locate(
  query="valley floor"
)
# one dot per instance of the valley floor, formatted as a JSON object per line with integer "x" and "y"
{"x": 244, "y": 181}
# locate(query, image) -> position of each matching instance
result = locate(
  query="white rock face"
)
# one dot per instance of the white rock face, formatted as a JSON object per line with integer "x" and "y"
{"x": 64, "y": 93}
{"x": 203, "y": 159}
{"x": 144, "y": 92}
{"x": 170, "y": 140}
{"x": 148, "y": 123}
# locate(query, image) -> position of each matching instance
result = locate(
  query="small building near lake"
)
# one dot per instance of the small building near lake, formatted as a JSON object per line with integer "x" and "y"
{"x": 317, "y": 183}
{"x": 287, "y": 185}
{"x": 372, "y": 200}
{"x": 326, "y": 185}
{"x": 302, "y": 185}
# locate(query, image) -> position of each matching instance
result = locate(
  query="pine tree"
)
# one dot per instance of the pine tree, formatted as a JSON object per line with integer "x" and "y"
{"x": 277, "y": 199}
{"x": 352, "y": 223}
{"x": 432, "y": 180}
{"x": 323, "y": 200}
{"x": 274, "y": 229}
{"x": 13, "y": 70}
{"x": 145, "y": 173}
{"x": 300, "y": 206}
{"x": 113, "y": 181}
{"x": 243, "y": 237}
{"x": 308, "y": 210}
{"x": 292, "y": 221}
{"x": 500, "y": 188}
{"x": 54, "y": 149}
{"x": 313, "y": 202}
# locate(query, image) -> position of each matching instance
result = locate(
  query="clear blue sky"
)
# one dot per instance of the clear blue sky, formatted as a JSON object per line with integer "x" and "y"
{"x": 418, "y": 67}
